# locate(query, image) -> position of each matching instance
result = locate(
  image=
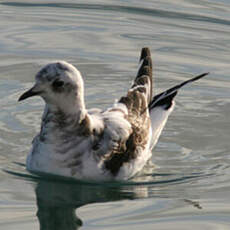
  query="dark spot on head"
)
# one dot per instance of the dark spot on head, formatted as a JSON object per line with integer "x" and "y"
{"x": 62, "y": 66}
{"x": 57, "y": 85}
{"x": 42, "y": 73}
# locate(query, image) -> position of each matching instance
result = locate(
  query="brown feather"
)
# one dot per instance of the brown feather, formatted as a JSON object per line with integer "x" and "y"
{"x": 136, "y": 100}
{"x": 140, "y": 122}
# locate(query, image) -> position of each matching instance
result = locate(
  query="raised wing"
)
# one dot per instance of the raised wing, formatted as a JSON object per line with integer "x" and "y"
{"x": 136, "y": 102}
{"x": 165, "y": 98}
{"x": 162, "y": 105}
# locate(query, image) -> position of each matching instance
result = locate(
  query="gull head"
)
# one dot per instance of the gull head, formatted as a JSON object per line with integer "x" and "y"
{"x": 61, "y": 86}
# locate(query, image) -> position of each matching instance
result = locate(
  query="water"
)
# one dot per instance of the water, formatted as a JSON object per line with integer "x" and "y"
{"x": 189, "y": 187}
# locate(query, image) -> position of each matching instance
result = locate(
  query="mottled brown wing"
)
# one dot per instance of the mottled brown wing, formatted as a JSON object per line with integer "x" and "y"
{"x": 136, "y": 101}
{"x": 144, "y": 74}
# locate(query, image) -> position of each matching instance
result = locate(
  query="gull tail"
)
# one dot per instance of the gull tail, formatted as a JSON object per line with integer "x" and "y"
{"x": 161, "y": 107}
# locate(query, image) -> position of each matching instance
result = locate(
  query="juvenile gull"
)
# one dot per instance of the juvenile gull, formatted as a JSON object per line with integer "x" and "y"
{"x": 114, "y": 144}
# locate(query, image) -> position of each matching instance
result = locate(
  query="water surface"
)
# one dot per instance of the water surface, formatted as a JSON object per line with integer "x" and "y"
{"x": 189, "y": 186}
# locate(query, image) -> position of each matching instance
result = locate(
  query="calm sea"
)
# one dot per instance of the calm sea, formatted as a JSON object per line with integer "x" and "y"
{"x": 189, "y": 187}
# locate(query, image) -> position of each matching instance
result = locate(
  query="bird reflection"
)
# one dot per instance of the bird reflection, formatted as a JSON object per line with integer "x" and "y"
{"x": 57, "y": 202}
{"x": 59, "y": 199}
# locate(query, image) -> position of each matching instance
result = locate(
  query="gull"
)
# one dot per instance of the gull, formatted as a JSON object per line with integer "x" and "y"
{"x": 102, "y": 145}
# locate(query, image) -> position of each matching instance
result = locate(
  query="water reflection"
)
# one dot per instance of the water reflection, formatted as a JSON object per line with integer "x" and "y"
{"x": 58, "y": 202}
{"x": 58, "y": 198}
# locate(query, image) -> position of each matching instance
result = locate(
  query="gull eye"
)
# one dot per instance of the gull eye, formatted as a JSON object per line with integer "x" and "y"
{"x": 58, "y": 83}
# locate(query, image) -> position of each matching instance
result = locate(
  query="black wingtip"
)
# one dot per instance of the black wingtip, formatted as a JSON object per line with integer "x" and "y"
{"x": 190, "y": 80}
{"x": 198, "y": 77}
{"x": 172, "y": 91}
{"x": 167, "y": 101}
{"x": 145, "y": 52}
{"x": 146, "y": 67}
{"x": 146, "y": 63}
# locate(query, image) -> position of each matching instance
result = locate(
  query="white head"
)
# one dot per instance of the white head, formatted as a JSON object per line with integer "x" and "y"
{"x": 60, "y": 84}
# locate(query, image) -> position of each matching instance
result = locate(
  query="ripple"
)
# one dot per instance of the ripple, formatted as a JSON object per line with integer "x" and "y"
{"x": 189, "y": 184}
{"x": 126, "y": 9}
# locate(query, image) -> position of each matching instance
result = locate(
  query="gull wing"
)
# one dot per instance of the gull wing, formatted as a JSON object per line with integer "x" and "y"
{"x": 136, "y": 102}
{"x": 162, "y": 105}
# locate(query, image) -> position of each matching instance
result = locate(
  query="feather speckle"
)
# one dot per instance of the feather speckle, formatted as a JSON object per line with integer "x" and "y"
{"x": 113, "y": 144}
